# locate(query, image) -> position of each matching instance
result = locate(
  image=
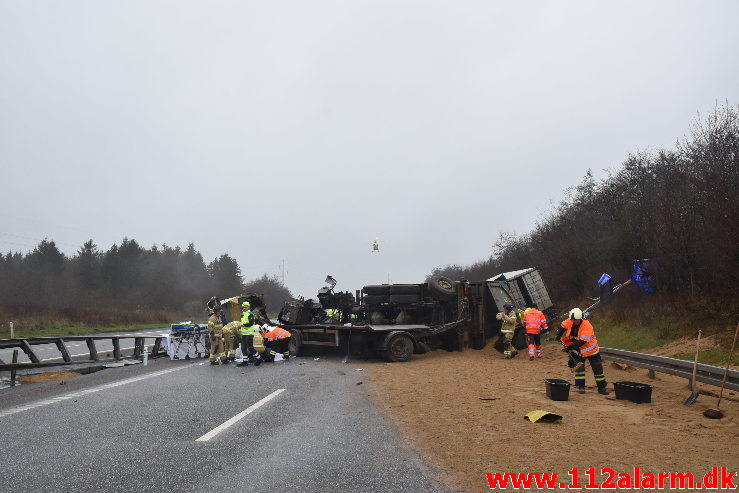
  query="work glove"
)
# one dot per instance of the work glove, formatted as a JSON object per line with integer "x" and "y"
{"x": 565, "y": 349}
{"x": 570, "y": 363}
{"x": 212, "y": 334}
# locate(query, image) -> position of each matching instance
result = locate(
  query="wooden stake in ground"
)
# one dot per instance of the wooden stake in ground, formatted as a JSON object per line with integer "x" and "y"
{"x": 691, "y": 399}
{"x": 715, "y": 413}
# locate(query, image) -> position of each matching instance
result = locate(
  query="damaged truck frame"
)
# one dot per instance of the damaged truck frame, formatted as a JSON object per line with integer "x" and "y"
{"x": 395, "y": 321}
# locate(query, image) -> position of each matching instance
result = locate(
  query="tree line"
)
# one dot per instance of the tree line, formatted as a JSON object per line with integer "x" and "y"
{"x": 678, "y": 207}
{"x": 126, "y": 277}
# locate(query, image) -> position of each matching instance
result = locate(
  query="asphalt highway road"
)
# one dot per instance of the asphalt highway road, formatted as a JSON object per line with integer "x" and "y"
{"x": 301, "y": 425}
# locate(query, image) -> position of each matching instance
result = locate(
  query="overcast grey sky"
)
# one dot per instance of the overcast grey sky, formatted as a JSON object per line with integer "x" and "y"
{"x": 301, "y": 130}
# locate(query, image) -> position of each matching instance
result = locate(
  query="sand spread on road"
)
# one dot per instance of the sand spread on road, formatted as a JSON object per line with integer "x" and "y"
{"x": 435, "y": 401}
{"x": 48, "y": 376}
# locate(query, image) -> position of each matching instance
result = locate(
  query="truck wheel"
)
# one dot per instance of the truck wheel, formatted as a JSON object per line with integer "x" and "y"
{"x": 450, "y": 341}
{"x": 400, "y": 348}
{"x": 405, "y": 289}
{"x": 295, "y": 342}
{"x": 442, "y": 288}
{"x": 375, "y": 299}
{"x": 403, "y": 318}
{"x": 378, "y": 318}
{"x": 404, "y": 298}
{"x": 478, "y": 341}
{"x": 376, "y": 289}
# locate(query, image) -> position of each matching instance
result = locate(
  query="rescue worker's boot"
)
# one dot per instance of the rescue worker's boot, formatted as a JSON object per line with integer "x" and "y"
{"x": 580, "y": 381}
{"x": 213, "y": 362}
{"x": 603, "y": 391}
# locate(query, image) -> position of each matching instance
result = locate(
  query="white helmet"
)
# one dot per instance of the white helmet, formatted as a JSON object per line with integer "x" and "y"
{"x": 575, "y": 314}
{"x": 264, "y": 328}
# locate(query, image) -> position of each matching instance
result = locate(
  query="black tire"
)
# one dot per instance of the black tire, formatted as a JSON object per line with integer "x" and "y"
{"x": 404, "y": 298}
{"x": 378, "y": 318}
{"x": 375, "y": 299}
{"x": 405, "y": 289}
{"x": 403, "y": 318}
{"x": 378, "y": 289}
{"x": 295, "y": 342}
{"x": 450, "y": 341}
{"x": 399, "y": 348}
{"x": 442, "y": 288}
{"x": 478, "y": 341}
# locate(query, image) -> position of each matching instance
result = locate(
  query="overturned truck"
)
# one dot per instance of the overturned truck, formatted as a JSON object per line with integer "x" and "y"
{"x": 394, "y": 321}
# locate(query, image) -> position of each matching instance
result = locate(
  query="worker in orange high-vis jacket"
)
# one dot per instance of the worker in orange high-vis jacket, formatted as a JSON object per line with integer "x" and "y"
{"x": 578, "y": 336}
{"x": 535, "y": 322}
{"x": 276, "y": 340}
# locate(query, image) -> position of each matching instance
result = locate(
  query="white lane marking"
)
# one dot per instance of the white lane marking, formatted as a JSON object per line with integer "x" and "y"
{"x": 215, "y": 431}
{"x": 80, "y": 393}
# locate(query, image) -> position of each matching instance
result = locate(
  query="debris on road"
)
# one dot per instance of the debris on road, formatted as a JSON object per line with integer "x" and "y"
{"x": 543, "y": 416}
{"x": 623, "y": 366}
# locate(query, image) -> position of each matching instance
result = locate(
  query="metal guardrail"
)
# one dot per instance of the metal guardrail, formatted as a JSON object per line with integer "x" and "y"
{"x": 26, "y": 344}
{"x": 712, "y": 375}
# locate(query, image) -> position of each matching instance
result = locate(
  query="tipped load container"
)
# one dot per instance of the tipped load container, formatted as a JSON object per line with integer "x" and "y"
{"x": 557, "y": 389}
{"x": 633, "y": 391}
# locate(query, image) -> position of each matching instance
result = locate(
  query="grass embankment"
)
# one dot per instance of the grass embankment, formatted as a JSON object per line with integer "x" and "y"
{"x": 78, "y": 330}
{"x": 712, "y": 356}
{"x": 617, "y": 335}
{"x": 48, "y": 321}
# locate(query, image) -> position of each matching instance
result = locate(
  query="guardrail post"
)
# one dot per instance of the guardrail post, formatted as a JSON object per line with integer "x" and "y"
{"x": 116, "y": 347}
{"x": 93, "y": 350}
{"x": 63, "y": 349}
{"x": 29, "y": 351}
{"x": 12, "y": 336}
{"x": 138, "y": 347}
{"x": 12, "y": 372}
{"x": 652, "y": 375}
{"x": 157, "y": 347}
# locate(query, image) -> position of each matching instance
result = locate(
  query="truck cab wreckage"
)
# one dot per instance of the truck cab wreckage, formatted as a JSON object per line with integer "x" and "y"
{"x": 394, "y": 321}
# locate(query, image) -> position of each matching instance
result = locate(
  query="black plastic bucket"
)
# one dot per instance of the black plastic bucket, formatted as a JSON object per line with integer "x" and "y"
{"x": 633, "y": 391}
{"x": 557, "y": 389}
